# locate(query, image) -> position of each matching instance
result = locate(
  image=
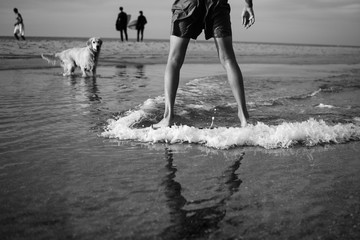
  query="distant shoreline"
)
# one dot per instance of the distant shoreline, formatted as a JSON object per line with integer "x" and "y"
{"x": 200, "y": 41}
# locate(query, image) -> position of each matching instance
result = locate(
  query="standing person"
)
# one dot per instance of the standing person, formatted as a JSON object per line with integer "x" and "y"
{"x": 189, "y": 18}
{"x": 19, "y": 25}
{"x": 121, "y": 24}
{"x": 140, "y": 25}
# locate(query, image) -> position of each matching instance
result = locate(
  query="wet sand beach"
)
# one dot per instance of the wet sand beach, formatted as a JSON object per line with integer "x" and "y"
{"x": 61, "y": 178}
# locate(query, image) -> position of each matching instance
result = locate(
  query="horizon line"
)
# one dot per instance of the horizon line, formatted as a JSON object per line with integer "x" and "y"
{"x": 192, "y": 40}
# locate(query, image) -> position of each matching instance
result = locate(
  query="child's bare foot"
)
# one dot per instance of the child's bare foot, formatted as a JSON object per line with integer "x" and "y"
{"x": 243, "y": 124}
{"x": 165, "y": 122}
{"x": 243, "y": 119}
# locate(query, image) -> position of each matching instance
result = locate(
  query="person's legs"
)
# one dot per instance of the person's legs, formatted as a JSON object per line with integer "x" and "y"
{"x": 138, "y": 35}
{"x": 16, "y": 31}
{"x": 125, "y": 31}
{"x": 22, "y": 31}
{"x": 121, "y": 35}
{"x": 177, "y": 52}
{"x": 142, "y": 34}
{"x": 228, "y": 60}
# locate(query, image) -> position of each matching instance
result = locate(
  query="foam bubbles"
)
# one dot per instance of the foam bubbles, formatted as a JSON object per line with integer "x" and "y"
{"x": 309, "y": 133}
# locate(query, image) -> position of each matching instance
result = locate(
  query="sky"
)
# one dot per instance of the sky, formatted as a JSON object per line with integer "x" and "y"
{"x": 333, "y": 22}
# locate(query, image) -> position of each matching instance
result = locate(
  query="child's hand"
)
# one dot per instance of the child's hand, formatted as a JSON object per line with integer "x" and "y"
{"x": 248, "y": 17}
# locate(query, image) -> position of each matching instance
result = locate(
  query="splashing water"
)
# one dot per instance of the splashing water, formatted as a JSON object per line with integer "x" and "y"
{"x": 309, "y": 133}
{"x": 285, "y": 111}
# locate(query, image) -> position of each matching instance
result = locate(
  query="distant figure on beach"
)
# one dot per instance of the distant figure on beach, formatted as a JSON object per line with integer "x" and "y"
{"x": 140, "y": 26}
{"x": 19, "y": 26}
{"x": 189, "y": 18}
{"x": 121, "y": 24}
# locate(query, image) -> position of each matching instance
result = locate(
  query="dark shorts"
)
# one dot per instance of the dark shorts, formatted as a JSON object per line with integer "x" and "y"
{"x": 190, "y": 17}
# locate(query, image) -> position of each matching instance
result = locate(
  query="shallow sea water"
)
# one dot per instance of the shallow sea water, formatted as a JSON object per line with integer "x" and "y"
{"x": 60, "y": 179}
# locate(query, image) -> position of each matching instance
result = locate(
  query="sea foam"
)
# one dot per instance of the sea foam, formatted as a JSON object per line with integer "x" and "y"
{"x": 287, "y": 134}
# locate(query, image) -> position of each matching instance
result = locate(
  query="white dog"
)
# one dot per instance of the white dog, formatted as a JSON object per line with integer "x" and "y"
{"x": 86, "y": 58}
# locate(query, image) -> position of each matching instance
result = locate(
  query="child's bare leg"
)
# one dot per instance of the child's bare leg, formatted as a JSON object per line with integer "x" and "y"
{"x": 176, "y": 58}
{"x": 228, "y": 60}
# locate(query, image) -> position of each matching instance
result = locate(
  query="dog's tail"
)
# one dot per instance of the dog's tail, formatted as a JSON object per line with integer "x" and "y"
{"x": 51, "y": 58}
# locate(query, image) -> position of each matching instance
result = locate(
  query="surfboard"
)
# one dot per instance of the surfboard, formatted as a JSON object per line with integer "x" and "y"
{"x": 132, "y": 24}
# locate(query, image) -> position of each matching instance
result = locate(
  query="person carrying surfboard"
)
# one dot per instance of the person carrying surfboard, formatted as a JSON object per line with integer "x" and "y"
{"x": 140, "y": 26}
{"x": 121, "y": 24}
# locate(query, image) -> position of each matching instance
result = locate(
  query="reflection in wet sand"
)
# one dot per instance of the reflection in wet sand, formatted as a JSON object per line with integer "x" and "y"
{"x": 196, "y": 218}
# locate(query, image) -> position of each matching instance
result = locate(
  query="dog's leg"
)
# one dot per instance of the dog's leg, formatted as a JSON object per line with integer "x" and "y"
{"x": 69, "y": 69}
{"x": 83, "y": 72}
{"x": 66, "y": 70}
